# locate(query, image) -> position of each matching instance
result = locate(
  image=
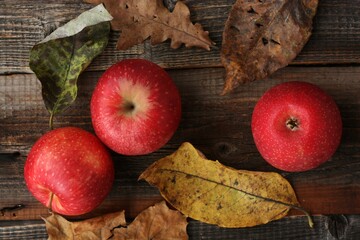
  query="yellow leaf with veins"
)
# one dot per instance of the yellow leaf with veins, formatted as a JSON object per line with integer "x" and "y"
{"x": 210, "y": 192}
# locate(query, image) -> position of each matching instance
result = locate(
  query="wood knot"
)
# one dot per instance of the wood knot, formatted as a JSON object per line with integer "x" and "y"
{"x": 224, "y": 149}
{"x": 337, "y": 226}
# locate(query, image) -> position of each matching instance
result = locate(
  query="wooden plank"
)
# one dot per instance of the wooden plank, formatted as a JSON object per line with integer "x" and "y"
{"x": 335, "y": 39}
{"x": 326, "y": 228}
{"x": 218, "y": 125}
{"x": 347, "y": 227}
{"x": 23, "y": 230}
{"x": 24, "y": 117}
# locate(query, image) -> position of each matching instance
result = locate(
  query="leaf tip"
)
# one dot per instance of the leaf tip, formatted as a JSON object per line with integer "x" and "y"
{"x": 310, "y": 220}
{"x": 311, "y": 223}
{"x": 307, "y": 214}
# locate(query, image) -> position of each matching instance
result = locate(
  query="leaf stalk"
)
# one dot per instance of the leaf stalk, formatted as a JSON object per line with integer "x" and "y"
{"x": 51, "y": 121}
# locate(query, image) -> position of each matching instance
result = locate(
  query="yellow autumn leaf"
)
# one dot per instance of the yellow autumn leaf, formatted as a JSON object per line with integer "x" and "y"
{"x": 99, "y": 228}
{"x": 210, "y": 192}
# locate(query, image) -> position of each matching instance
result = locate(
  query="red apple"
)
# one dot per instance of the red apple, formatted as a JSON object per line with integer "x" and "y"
{"x": 135, "y": 107}
{"x": 69, "y": 170}
{"x": 296, "y": 126}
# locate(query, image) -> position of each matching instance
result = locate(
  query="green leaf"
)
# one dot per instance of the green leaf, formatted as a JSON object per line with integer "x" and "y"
{"x": 60, "y": 58}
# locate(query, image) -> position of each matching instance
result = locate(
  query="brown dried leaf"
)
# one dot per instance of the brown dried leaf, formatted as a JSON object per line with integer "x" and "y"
{"x": 263, "y": 36}
{"x": 157, "y": 223}
{"x": 99, "y": 228}
{"x": 141, "y": 19}
{"x": 210, "y": 192}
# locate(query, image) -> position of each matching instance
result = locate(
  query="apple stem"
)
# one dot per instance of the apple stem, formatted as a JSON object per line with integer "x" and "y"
{"x": 50, "y": 202}
{"x": 128, "y": 108}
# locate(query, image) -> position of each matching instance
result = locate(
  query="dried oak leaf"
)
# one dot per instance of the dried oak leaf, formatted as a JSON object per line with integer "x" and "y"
{"x": 263, "y": 36}
{"x": 138, "y": 20}
{"x": 210, "y": 192}
{"x": 157, "y": 222}
{"x": 99, "y": 228}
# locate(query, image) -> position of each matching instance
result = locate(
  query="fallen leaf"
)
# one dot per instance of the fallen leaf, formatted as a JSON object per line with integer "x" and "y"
{"x": 210, "y": 192}
{"x": 138, "y": 20}
{"x": 262, "y": 36}
{"x": 157, "y": 222}
{"x": 60, "y": 58}
{"x": 99, "y": 228}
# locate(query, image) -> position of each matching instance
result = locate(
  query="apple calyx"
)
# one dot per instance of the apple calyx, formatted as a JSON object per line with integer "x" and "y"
{"x": 292, "y": 123}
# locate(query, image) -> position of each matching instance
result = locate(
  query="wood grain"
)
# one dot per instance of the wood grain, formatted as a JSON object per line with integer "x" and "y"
{"x": 326, "y": 228}
{"x": 335, "y": 38}
{"x": 217, "y": 125}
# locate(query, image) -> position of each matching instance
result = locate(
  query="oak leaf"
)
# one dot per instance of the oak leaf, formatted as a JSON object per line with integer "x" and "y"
{"x": 99, "y": 228}
{"x": 208, "y": 191}
{"x": 262, "y": 36}
{"x": 138, "y": 20}
{"x": 157, "y": 222}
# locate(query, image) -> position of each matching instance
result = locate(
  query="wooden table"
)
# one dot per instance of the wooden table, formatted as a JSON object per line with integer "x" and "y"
{"x": 218, "y": 125}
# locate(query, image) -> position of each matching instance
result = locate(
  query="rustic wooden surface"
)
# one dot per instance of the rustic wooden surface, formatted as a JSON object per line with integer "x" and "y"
{"x": 218, "y": 125}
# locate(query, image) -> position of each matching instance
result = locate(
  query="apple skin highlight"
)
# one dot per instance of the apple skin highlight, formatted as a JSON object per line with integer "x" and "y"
{"x": 296, "y": 126}
{"x": 135, "y": 107}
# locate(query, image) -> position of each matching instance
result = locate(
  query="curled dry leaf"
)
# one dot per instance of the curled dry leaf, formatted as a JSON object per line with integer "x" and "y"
{"x": 208, "y": 191}
{"x": 263, "y": 36}
{"x": 138, "y": 20}
{"x": 99, "y": 228}
{"x": 157, "y": 222}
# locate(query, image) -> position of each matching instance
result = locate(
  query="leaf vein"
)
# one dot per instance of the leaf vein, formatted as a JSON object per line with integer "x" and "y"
{"x": 234, "y": 188}
{"x": 171, "y": 27}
